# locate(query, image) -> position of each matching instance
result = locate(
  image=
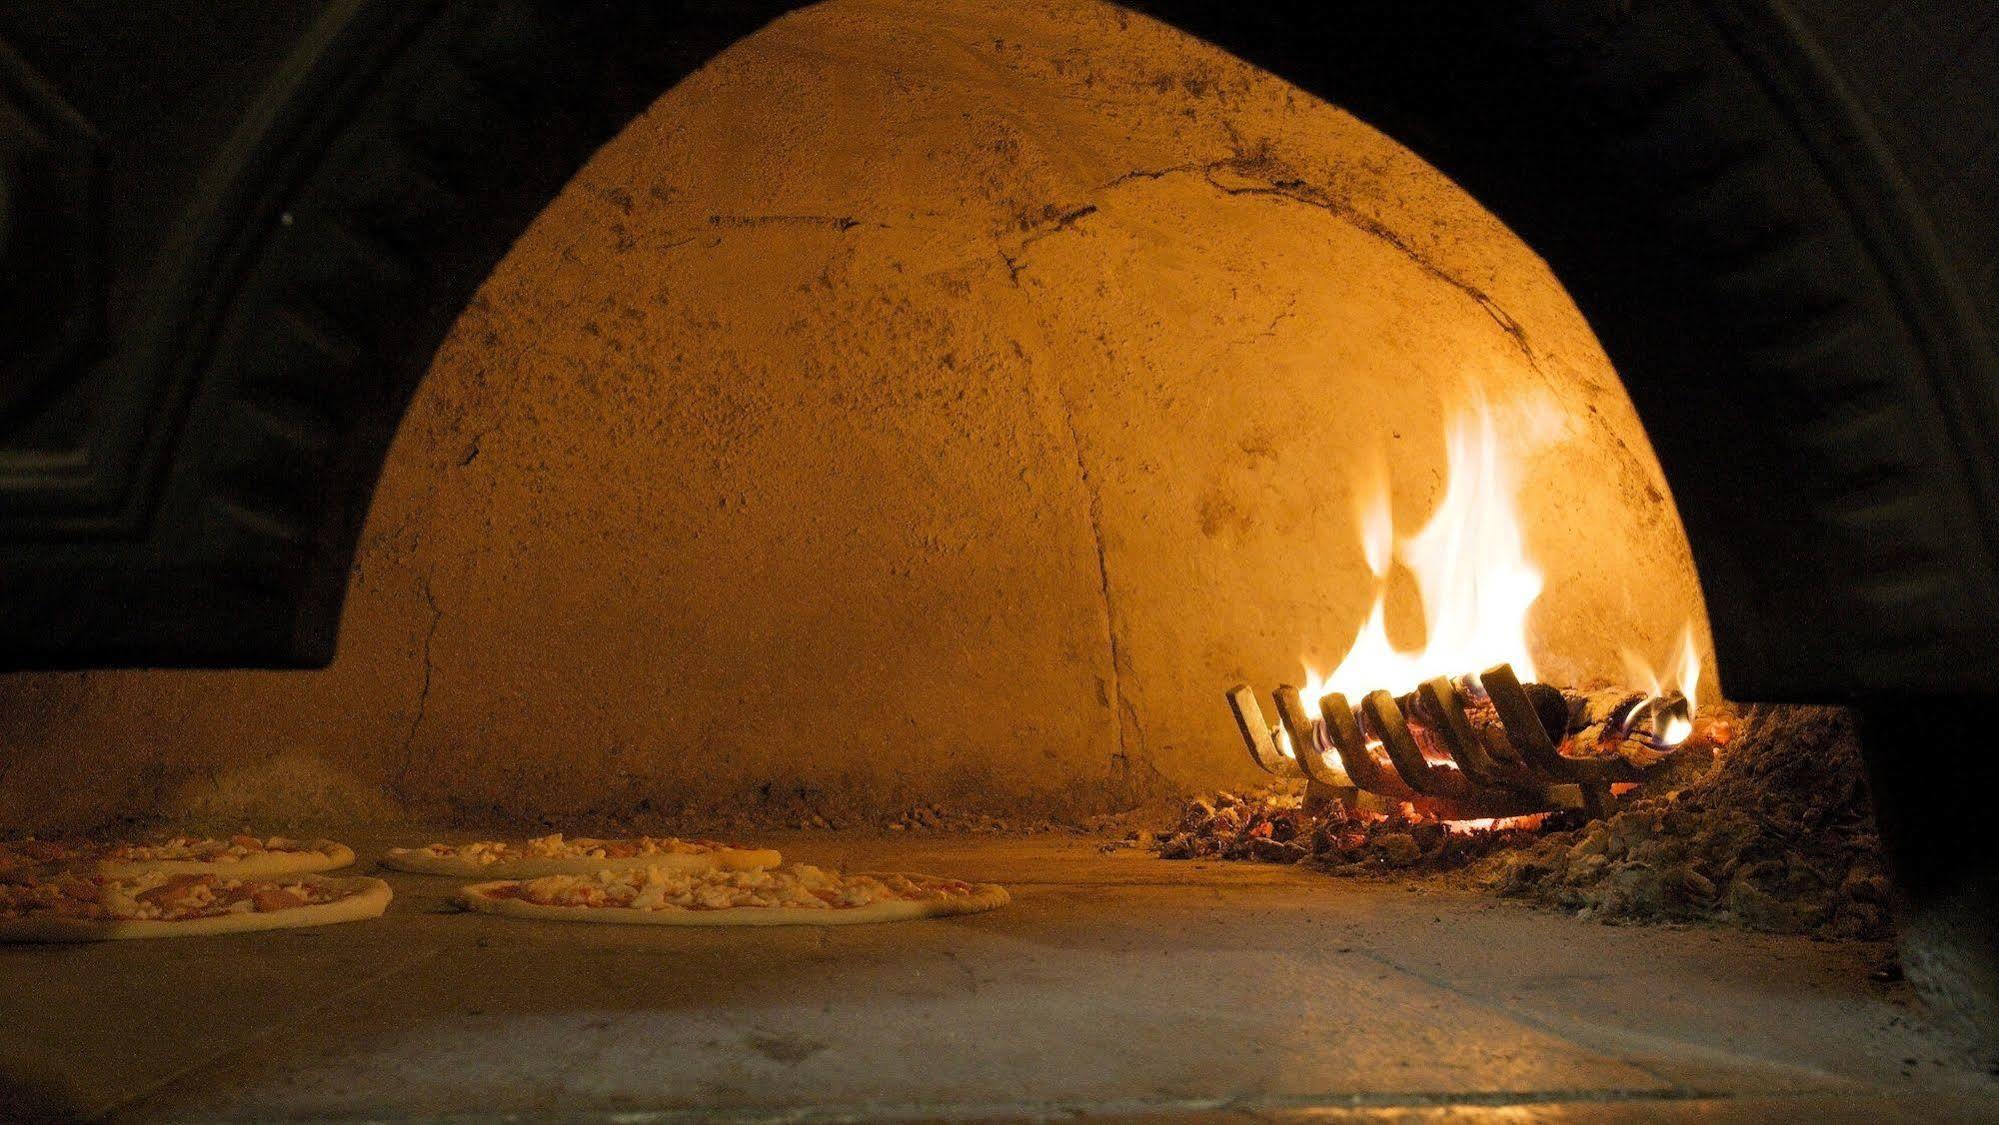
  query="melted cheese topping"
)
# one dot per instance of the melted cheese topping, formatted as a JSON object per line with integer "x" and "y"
{"x": 30, "y": 854}
{"x": 153, "y": 897}
{"x": 795, "y": 885}
{"x": 206, "y": 849}
{"x": 22, "y": 859}
{"x": 555, "y": 846}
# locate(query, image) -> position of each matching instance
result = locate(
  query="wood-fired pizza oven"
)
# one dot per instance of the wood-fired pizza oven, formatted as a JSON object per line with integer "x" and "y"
{"x": 885, "y": 416}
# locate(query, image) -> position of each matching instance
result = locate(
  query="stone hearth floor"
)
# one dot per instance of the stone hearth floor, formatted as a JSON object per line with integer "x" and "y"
{"x": 1116, "y": 985}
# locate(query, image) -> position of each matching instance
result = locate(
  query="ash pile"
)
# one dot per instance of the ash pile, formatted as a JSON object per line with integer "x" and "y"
{"x": 1778, "y": 835}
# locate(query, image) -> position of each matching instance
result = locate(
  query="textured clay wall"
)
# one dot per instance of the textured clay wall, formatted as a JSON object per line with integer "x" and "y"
{"x": 924, "y": 402}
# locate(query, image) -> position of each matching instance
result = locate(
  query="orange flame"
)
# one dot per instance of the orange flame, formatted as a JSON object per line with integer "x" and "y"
{"x": 1682, "y": 682}
{"x": 1471, "y": 570}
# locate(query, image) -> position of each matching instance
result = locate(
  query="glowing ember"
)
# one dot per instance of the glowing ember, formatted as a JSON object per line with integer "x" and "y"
{"x": 1471, "y": 570}
{"x": 1497, "y": 823}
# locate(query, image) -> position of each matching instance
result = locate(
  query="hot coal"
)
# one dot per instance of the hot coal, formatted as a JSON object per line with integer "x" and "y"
{"x": 1274, "y": 827}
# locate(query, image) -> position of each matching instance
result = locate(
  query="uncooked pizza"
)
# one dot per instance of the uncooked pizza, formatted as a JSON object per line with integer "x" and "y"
{"x": 79, "y": 907}
{"x": 239, "y": 856}
{"x": 794, "y": 895}
{"x": 581, "y": 855}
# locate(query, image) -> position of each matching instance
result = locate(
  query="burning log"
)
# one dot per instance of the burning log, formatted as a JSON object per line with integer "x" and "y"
{"x": 1630, "y": 724}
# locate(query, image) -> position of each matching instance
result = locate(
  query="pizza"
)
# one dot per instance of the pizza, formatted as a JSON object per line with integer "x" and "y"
{"x": 239, "y": 856}
{"x": 794, "y": 895}
{"x": 96, "y": 907}
{"x": 581, "y": 855}
{"x": 24, "y": 858}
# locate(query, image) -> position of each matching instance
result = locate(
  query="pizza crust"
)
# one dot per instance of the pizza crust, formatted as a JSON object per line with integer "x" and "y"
{"x": 532, "y": 867}
{"x": 983, "y": 897}
{"x": 319, "y": 855}
{"x": 369, "y": 899}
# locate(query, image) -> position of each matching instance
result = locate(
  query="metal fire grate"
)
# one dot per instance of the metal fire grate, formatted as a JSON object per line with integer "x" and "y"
{"x": 1490, "y": 752}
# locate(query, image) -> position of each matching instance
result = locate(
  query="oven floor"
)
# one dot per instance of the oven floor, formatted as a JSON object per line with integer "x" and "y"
{"x": 1115, "y": 985}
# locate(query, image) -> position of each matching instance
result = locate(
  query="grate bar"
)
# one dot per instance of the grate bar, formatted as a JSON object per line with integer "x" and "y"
{"x": 1385, "y": 718}
{"x": 1306, "y": 741}
{"x": 1255, "y": 730}
{"x": 1440, "y": 703}
{"x": 1511, "y": 768}
{"x": 1338, "y": 725}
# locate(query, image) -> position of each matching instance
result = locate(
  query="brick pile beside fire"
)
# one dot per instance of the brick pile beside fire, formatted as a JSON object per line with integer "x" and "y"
{"x": 1461, "y": 731}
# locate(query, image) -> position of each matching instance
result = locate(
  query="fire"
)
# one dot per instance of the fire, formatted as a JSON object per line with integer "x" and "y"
{"x": 1471, "y": 570}
{"x": 1677, "y": 699}
{"x": 1477, "y": 587}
